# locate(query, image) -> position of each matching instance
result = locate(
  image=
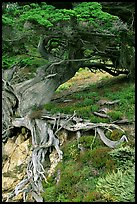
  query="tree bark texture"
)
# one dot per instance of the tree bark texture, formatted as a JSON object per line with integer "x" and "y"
{"x": 21, "y": 101}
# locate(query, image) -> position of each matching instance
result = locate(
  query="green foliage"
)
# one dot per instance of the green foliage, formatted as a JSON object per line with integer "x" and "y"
{"x": 95, "y": 119}
{"x": 115, "y": 134}
{"x": 100, "y": 157}
{"x": 27, "y": 61}
{"x": 124, "y": 156}
{"x": 115, "y": 115}
{"x": 78, "y": 174}
{"x": 70, "y": 150}
{"x": 49, "y": 106}
{"x": 74, "y": 182}
{"x": 90, "y": 142}
{"x": 7, "y": 21}
{"x": 126, "y": 95}
{"x": 50, "y": 194}
{"x": 86, "y": 141}
{"x": 8, "y": 62}
{"x": 64, "y": 86}
{"x": 93, "y": 14}
{"x": 45, "y": 15}
{"x": 94, "y": 108}
{"x": 118, "y": 186}
{"x": 87, "y": 102}
{"x": 92, "y": 196}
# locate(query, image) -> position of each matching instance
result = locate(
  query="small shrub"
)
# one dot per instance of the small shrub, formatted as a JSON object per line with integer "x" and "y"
{"x": 94, "y": 108}
{"x": 110, "y": 165}
{"x": 95, "y": 119}
{"x": 87, "y": 102}
{"x": 115, "y": 134}
{"x": 68, "y": 178}
{"x": 118, "y": 185}
{"x": 61, "y": 198}
{"x": 71, "y": 150}
{"x": 86, "y": 141}
{"x": 64, "y": 86}
{"x": 78, "y": 96}
{"x": 92, "y": 196}
{"x": 49, "y": 194}
{"x": 49, "y": 106}
{"x": 124, "y": 156}
{"x": 101, "y": 159}
{"x": 85, "y": 112}
{"x": 115, "y": 115}
{"x": 84, "y": 157}
{"x": 7, "y": 62}
{"x": 89, "y": 140}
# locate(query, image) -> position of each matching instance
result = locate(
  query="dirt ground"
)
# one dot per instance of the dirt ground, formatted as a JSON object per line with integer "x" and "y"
{"x": 80, "y": 81}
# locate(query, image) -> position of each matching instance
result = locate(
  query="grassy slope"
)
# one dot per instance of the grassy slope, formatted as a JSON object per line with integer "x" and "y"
{"x": 93, "y": 175}
{"x": 85, "y": 102}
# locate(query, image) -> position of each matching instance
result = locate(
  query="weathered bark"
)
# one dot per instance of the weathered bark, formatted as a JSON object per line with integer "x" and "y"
{"x": 23, "y": 99}
{"x": 43, "y": 137}
{"x": 38, "y": 91}
{"x": 9, "y": 106}
{"x": 44, "y": 132}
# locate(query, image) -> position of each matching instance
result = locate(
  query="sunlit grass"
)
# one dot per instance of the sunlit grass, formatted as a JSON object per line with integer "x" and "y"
{"x": 81, "y": 171}
{"x": 85, "y": 102}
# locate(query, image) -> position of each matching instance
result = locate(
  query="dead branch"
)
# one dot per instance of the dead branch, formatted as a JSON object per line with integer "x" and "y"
{"x": 44, "y": 136}
{"x": 102, "y": 115}
{"x": 109, "y": 142}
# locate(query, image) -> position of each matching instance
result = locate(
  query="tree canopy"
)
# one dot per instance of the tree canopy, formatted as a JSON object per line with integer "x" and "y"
{"x": 101, "y": 36}
{"x": 53, "y": 43}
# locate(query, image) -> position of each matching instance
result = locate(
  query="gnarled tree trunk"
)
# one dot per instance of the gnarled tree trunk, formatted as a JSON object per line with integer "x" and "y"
{"x": 21, "y": 101}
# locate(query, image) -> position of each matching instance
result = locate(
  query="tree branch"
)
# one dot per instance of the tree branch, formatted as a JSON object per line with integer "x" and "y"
{"x": 41, "y": 47}
{"x": 104, "y": 67}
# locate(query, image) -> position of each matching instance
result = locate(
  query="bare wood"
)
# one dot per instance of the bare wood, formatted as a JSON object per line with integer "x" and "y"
{"x": 109, "y": 142}
{"x": 101, "y": 115}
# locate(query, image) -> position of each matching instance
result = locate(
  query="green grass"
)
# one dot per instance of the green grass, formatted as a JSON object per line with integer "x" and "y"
{"x": 64, "y": 86}
{"x": 99, "y": 173}
{"x": 83, "y": 174}
{"x": 92, "y": 175}
{"x": 85, "y": 102}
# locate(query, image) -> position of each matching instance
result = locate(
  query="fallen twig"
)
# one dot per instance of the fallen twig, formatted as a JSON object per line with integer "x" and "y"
{"x": 102, "y": 115}
{"x": 44, "y": 132}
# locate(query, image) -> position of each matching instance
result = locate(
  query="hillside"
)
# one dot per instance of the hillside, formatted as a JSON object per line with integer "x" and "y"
{"x": 68, "y": 102}
{"x": 97, "y": 173}
{"x": 90, "y": 171}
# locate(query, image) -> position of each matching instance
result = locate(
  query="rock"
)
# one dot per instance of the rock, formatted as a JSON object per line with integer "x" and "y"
{"x": 54, "y": 160}
{"x": 14, "y": 167}
{"x": 63, "y": 136}
{"x": 8, "y": 147}
{"x": 17, "y": 153}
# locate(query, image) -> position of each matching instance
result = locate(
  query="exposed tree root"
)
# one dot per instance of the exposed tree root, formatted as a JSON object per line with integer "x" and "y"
{"x": 44, "y": 133}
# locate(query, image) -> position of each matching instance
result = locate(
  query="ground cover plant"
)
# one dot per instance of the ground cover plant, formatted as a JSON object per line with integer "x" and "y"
{"x": 97, "y": 174}
{"x": 86, "y": 102}
{"x": 44, "y": 45}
